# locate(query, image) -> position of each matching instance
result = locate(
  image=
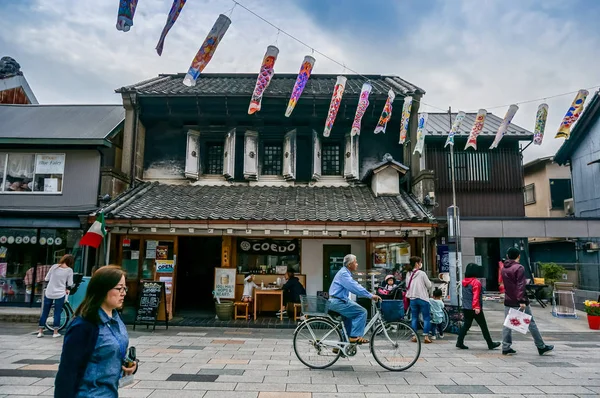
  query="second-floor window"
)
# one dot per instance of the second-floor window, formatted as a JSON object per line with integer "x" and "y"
{"x": 214, "y": 158}
{"x": 529, "y": 193}
{"x": 331, "y": 159}
{"x": 560, "y": 190}
{"x": 272, "y": 159}
{"x": 32, "y": 172}
{"x": 470, "y": 166}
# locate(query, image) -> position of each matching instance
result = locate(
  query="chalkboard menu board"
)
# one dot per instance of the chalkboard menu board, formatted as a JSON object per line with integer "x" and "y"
{"x": 151, "y": 295}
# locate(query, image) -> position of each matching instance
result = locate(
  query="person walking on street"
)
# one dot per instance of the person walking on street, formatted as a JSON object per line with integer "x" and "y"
{"x": 472, "y": 301}
{"x": 515, "y": 296}
{"x": 59, "y": 278}
{"x": 418, "y": 287}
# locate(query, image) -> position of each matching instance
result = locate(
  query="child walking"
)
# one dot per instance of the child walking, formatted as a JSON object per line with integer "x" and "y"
{"x": 437, "y": 314}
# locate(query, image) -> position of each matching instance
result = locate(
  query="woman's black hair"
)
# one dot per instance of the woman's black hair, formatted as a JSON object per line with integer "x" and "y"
{"x": 103, "y": 281}
{"x": 473, "y": 271}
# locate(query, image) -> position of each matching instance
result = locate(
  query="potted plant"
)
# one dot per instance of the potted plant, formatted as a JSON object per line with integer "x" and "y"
{"x": 592, "y": 308}
{"x": 552, "y": 272}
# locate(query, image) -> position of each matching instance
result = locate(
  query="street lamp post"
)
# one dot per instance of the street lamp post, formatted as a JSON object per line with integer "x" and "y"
{"x": 453, "y": 217}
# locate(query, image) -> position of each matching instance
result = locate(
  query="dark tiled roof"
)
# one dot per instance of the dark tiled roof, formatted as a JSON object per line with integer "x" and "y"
{"x": 154, "y": 201}
{"x": 220, "y": 84}
{"x": 438, "y": 125}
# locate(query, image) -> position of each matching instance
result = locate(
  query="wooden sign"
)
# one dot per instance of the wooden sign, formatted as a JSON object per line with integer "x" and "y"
{"x": 152, "y": 294}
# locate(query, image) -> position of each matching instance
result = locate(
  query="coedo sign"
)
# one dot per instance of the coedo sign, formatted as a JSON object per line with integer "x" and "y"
{"x": 269, "y": 246}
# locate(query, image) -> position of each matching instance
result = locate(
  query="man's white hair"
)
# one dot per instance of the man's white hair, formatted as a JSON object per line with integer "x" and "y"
{"x": 349, "y": 259}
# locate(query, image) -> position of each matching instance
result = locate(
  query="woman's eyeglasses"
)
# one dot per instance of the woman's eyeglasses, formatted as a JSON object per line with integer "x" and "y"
{"x": 121, "y": 289}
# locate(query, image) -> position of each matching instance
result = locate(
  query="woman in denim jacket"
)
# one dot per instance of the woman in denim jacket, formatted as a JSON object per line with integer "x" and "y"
{"x": 95, "y": 345}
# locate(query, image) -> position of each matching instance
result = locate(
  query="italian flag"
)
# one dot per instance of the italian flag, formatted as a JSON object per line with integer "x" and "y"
{"x": 95, "y": 235}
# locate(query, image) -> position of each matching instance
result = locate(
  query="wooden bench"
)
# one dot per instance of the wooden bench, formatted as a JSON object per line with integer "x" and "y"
{"x": 243, "y": 305}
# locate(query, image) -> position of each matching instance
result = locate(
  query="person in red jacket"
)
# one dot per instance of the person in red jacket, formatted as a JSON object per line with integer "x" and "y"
{"x": 515, "y": 296}
{"x": 472, "y": 301}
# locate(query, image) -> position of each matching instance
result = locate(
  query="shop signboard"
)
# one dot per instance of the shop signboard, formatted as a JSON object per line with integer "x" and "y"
{"x": 151, "y": 295}
{"x": 49, "y": 163}
{"x": 165, "y": 266}
{"x": 270, "y": 247}
{"x": 225, "y": 283}
{"x": 443, "y": 255}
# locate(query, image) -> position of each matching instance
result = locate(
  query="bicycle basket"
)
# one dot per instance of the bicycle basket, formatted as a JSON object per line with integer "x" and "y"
{"x": 392, "y": 310}
{"x": 314, "y": 305}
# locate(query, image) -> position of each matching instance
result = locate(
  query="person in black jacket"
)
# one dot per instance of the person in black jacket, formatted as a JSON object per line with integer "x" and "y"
{"x": 292, "y": 290}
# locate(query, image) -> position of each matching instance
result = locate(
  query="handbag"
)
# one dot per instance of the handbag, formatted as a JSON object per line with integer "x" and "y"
{"x": 405, "y": 299}
{"x": 518, "y": 321}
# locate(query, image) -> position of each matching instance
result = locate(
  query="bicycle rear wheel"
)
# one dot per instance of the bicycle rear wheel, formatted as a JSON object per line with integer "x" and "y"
{"x": 64, "y": 319}
{"x": 314, "y": 343}
{"x": 396, "y": 351}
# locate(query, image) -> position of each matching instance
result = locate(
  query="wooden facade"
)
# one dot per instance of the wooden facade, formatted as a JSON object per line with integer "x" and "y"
{"x": 14, "y": 96}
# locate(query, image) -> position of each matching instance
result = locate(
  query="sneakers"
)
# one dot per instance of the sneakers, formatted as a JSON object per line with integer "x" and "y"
{"x": 462, "y": 346}
{"x": 432, "y": 337}
{"x": 56, "y": 335}
{"x": 441, "y": 336}
{"x": 510, "y": 351}
{"x": 40, "y": 334}
{"x": 545, "y": 350}
{"x": 494, "y": 345}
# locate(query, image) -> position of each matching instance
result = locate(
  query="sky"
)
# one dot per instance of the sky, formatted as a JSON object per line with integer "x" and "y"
{"x": 467, "y": 54}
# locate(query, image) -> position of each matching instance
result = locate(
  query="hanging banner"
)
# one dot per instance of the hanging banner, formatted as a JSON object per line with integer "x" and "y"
{"x": 207, "y": 50}
{"x": 572, "y": 115}
{"x": 303, "y": 76}
{"x": 476, "y": 129}
{"x": 455, "y": 127}
{"x": 125, "y": 15}
{"x": 264, "y": 78}
{"x": 421, "y": 133}
{"x": 171, "y": 18}
{"x": 363, "y": 104}
{"x": 269, "y": 246}
{"x": 540, "y": 124}
{"x": 406, "y": 108}
{"x": 386, "y": 115}
{"x": 510, "y": 113}
{"x": 334, "y": 106}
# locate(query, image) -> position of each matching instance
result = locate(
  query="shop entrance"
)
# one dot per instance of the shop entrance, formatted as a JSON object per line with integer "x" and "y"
{"x": 198, "y": 257}
{"x": 333, "y": 261}
{"x": 488, "y": 250}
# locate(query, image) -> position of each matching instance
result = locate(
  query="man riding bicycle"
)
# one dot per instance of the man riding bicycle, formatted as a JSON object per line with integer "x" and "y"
{"x": 355, "y": 316}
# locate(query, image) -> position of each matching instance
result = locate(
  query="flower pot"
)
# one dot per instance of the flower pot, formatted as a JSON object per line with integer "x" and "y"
{"x": 594, "y": 321}
{"x": 224, "y": 311}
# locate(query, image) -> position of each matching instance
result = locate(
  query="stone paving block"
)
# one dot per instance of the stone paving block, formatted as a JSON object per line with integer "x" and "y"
{"x": 509, "y": 389}
{"x": 382, "y": 381}
{"x": 462, "y": 389}
{"x": 189, "y": 347}
{"x": 135, "y": 393}
{"x": 48, "y": 381}
{"x": 337, "y": 395}
{"x": 259, "y": 387}
{"x": 162, "y": 385}
{"x": 192, "y": 385}
{"x": 18, "y": 381}
{"x": 361, "y": 388}
{"x": 311, "y": 387}
{"x": 387, "y": 395}
{"x": 219, "y": 372}
{"x": 193, "y": 377}
{"x": 280, "y": 394}
{"x": 333, "y": 380}
{"x": 23, "y": 390}
{"x": 469, "y": 381}
{"x": 408, "y": 389}
{"x": 230, "y": 361}
{"x": 230, "y": 394}
{"x": 175, "y": 394}
{"x": 565, "y": 390}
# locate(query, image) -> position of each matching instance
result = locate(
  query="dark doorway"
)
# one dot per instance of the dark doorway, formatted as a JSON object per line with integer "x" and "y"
{"x": 196, "y": 264}
{"x": 333, "y": 261}
{"x": 489, "y": 251}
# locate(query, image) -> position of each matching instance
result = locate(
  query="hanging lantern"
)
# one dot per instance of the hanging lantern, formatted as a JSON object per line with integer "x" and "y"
{"x": 540, "y": 124}
{"x": 363, "y": 104}
{"x": 264, "y": 78}
{"x": 303, "y": 76}
{"x": 572, "y": 115}
{"x": 386, "y": 115}
{"x": 207, "y": 50}
{"x": 171, "y": 18}
{"x": 510, "y": 113}
{"x": 421, "y": 132}
{"x": 476, "y": 129}
{"x": 406, "y": 108}
{"x": 334, "y": 106}
{"x": 125, "y": 15}
{"x": 455, "y": 127}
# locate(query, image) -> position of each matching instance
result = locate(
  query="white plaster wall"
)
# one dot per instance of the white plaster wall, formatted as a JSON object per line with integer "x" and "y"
{"x": 312, "y": 259}
{"x": 386, "y": 182}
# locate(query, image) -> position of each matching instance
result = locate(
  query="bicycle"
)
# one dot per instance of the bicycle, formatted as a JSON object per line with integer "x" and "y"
{"x": 68, "y": 312}
{"x": 321, "y": 339}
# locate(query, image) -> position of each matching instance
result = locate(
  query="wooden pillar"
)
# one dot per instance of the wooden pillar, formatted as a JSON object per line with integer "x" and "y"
{"x": 226, "y": 252}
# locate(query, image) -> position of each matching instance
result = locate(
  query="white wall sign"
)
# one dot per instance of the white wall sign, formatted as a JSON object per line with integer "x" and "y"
{"x": 49, "y": 163}
{"x": 225, "y": 282}
{"x": 50, "y": 184}
{"x": 57, "y": 241}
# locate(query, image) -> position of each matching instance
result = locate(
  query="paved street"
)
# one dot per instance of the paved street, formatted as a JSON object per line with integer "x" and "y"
{"x": 260, "y": 363}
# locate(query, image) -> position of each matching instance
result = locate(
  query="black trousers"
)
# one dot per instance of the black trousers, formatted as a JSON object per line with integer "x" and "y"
{"x": 470, "y": 315}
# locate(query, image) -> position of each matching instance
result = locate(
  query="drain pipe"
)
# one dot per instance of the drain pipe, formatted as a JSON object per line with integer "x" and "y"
{"x": 134, "y": 101}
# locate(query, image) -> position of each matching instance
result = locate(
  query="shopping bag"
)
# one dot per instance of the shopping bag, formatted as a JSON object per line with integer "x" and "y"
{"x": 518, "y": 321}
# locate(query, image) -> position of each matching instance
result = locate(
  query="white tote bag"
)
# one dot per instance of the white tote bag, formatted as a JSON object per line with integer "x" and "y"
{"x": 518, "y": 321}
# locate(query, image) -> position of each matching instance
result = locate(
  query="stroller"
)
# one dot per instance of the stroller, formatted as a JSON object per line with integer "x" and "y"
{"x": 392, "y": 306}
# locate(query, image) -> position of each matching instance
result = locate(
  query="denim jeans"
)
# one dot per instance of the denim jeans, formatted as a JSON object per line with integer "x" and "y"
{"x": 58, "y": 306}
{"x": 423, "y": 307}
{"x": 355, "y": 316}
{"x": 535, "y": 333}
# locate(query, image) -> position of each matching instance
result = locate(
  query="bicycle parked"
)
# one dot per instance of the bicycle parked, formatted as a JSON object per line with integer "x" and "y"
{"x": 321, "y": 339}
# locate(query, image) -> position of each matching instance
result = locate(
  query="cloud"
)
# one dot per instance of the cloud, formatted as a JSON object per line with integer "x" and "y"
{"x": 468, "y": 54}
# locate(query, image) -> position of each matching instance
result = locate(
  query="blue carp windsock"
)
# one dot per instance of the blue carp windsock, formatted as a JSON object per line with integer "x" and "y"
{"x": 454, "y": 129}
{"x": 363, "y": 104}
{"x": 125, "y": 15}
{"x": 540, "y": 124}
{"x": 334, "y": 106}
{"x": 476, "y": 129}
{"x": 406, "y": 108}
{"x": 421, "y": 132}
{"x": 572, "y": 115}
{"x": 510, "y": 113}
{"x": 264, "y": 78}
{"x": 207, "y": 50}
{"x": 386, "y": 114}
{"x": 171, "y": 18}
{"x": 303, "y": 76}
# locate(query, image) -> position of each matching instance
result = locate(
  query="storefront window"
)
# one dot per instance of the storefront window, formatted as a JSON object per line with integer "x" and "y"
{"x": 268, "y": 256}
{"x": 390, "y": 256}
{"x": 27, "y": 172}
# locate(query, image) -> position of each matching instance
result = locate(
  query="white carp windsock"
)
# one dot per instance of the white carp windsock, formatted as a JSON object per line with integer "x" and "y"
{"x": 510, "y": 113}
{"x": 460, "y": 116}
{"x": 421, "y": 132}
{"x": 406, "y": 108}
{"x": 363, "y": 104}
{"x": 303, "y": 76}
{"x": 207, "y": 50}
{"x": 386, "y": 114}
{"x": 540, "y": 124}
{"x": 476, "y": 129}
{"x": 334, "y": 106}
{"x": 564, "y": 131}
{"x": 267, "y": 70}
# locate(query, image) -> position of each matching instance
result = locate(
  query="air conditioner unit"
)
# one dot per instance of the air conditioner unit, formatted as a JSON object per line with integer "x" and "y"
{"x": 569, "y": 207}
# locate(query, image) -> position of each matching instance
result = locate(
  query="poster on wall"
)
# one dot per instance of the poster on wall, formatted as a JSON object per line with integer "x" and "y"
{"x": 3, "y": 268}
{"x": 380, "y": 259}
{"x": 165, "y": 266}
{"x": 162, "y": 252}
{"x": 49, "y": 163}
{"x": 443, "y": 256}
{"x": 269, "y": 247}
{"x": 225, "y": 283}
{"x": 404, "y": 253}
{"x": 150, "y": 253}
{"x": 168, "y": 281}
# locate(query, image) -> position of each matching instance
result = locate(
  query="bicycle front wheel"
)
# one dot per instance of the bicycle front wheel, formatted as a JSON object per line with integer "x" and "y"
{"x": 64, "y": 319}
{"x": 315, "y": 343}
{"x": 398, "y": 349}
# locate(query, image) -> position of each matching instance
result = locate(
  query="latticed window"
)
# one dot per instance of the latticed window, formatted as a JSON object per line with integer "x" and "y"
{"x": 272, "y": 159}
{"x": 214, "y": 158}
{"x": 331, "y": 160}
